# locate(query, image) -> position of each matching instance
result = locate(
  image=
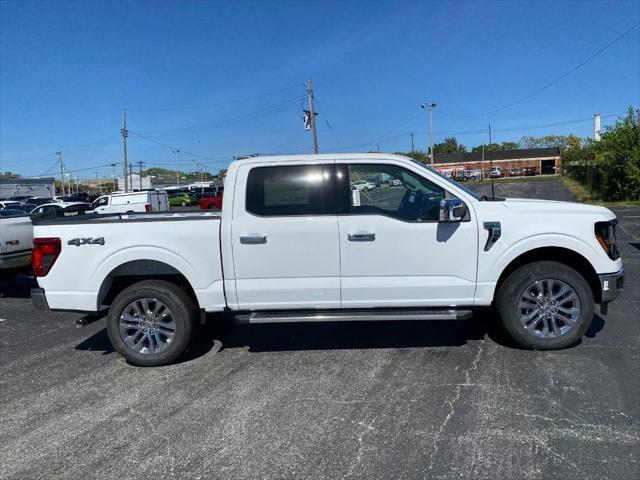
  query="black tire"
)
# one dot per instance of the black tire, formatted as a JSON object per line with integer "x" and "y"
{"x": 508, "y": 298}
{"x": 183, "y": 313}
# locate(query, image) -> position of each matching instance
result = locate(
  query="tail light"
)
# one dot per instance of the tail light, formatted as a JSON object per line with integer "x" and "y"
{"x": 147, "y": 207}
{"x": 45, "y": 254}
{"x": 606, "y": 235}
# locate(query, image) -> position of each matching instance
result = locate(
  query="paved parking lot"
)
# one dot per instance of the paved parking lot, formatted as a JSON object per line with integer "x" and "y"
{"x": 362, "y": 400}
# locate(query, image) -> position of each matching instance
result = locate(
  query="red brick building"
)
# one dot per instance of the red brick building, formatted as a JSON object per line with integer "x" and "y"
{"x": 544, "y": 161}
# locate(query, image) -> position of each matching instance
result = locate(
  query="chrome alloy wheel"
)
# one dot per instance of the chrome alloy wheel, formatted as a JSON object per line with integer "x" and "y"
{"x": 549, "y": 308}
{"x": 147, "y": 325}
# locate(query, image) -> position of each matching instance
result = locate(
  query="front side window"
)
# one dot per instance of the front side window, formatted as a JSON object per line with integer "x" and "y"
{"x": 393, "y": 191}
{"x": 294, "y": 190}
{"x": 102, "y": 201}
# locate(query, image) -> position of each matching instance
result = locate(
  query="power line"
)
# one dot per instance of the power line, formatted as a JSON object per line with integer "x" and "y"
{"x": 553, "y": 82}
{"x": 219, "y": 104}
{"x": 193, "y": 129}
{"x": 174, "y": 148}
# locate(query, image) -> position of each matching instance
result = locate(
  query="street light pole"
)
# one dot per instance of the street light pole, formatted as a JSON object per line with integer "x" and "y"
{"x": 430, "y": 106}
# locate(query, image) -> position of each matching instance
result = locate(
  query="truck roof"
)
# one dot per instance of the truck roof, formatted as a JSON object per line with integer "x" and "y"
{"x": 321, "y": 157}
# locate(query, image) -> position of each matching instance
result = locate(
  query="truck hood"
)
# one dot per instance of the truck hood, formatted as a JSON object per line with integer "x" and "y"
{"x": 527, "y": 205}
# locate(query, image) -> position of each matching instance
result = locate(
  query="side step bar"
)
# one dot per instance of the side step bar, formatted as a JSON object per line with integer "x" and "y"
{"x": 351, "y": 315}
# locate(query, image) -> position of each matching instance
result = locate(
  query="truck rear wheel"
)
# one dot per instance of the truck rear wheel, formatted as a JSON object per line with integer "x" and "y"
{"x": 545, "y": 305}
{"x": 150, "y": 322}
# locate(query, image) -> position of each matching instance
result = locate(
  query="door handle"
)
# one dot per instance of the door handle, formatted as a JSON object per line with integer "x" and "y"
{"x": 253, "y": 239}
{"x": 361, "y": 237}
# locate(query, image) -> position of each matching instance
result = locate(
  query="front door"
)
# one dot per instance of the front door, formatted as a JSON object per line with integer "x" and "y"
{"x": 393, "y": 250}
{"x": 285, "y": 237}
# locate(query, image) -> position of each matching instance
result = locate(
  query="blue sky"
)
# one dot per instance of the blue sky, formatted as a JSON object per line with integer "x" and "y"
{"x": 220, "y": 79}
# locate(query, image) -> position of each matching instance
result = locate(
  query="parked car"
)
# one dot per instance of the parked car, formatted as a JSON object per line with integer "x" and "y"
{"x": 12, "y": 212}
{"x": 363, "y": 185}
{"x": 182, "y": 199}
{"x": 211, "y": 203}
{"x": 288, "y": 248}
{"x": 133, "y": 202}
{"x": 9, "y": 204}
{"x": 395, "y": 182}
{"x": 496, "y": 172}
{"x": 514, "y": 172}
{"x": 530, "y": 172}
{"x": 61, "y": 209}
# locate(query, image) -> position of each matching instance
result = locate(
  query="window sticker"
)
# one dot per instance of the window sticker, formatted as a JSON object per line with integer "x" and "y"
{"x": 355, "y": 197}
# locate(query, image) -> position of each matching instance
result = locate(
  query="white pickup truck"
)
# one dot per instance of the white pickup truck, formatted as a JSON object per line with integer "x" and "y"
{"x": 296, "y": 243}
{"x": 16, "y": 246}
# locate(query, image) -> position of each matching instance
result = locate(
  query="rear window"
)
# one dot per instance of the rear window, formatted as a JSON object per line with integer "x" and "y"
{"x": 278, "y": 191}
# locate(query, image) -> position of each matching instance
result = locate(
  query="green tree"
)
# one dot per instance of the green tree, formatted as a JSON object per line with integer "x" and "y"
{"x": 497, "y": 146}
{"x": 617, "y": 156}
{"x": 609, "y": 167}
{"x": 563, "y": 141}
{"x": 9, "y": 175}
{"x": 418, "y": 155}
{"x": 449, "y": 145}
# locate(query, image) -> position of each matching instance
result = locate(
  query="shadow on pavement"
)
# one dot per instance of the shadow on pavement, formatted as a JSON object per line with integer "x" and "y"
{"x": 337, "y": 336}
{"x": 346, "y": 335}
{"x": 17, "y": 284}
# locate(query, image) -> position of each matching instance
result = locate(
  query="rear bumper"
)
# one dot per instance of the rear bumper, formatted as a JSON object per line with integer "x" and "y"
{"x": 18, "y": 259}
{"x": 39, "y": 299}
{"x": 611, "y": 285}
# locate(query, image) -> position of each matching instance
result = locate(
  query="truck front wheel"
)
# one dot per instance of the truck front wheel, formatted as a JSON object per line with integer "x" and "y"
{"x": 150, "y": 322}
{"x": 545, "y": 305}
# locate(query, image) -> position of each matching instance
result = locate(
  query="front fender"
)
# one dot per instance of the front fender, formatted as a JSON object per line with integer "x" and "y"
{"x": 598, "y": 260}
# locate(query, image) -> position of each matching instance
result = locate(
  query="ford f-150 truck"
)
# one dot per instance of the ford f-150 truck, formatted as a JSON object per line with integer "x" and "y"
{"x": 295, "y": 242}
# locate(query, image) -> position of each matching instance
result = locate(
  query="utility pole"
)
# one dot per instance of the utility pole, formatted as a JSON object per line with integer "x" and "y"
{"x": 493, "y": 190}
{"x": 312, "y": 116}
{"x": 177, "y": 152}
{"x": 482, "y": 164}
{"x": 125, "y": 134}
{"x": 413, "y": 147}
{"x": 59, "y": 154}
{"x": 430, "y": 106}
{"x": 140, "y": 173}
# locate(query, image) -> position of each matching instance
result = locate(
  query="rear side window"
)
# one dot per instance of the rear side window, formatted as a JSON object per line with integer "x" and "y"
{"x": 294, "y": 190}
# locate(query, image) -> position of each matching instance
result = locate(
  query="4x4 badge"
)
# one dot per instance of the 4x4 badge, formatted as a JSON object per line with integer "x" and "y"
{"x": 86, "y": 241}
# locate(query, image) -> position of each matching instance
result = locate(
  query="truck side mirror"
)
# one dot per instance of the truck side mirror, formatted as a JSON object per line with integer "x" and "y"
{"x": 452, "y": 210}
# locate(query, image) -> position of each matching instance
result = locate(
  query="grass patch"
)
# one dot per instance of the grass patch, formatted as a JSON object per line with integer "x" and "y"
{"x": 584, "y": 195}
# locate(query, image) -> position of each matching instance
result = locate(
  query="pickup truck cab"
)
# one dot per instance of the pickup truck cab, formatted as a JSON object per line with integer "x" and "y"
{"x": 295, "y": 243}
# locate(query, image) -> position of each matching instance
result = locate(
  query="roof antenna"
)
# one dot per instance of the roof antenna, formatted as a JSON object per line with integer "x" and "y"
{"x": 493, "y": 188}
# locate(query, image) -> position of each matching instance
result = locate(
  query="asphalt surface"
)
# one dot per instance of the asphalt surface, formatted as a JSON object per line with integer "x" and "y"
{"x": 364, "y": 400}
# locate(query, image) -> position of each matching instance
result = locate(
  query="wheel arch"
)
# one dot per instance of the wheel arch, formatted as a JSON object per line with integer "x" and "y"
{"x": 562, "y": 255}
{"x": 130, "y": 272}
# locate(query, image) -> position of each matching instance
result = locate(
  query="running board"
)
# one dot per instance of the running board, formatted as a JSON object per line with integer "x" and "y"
{"x": 351, "y": 315}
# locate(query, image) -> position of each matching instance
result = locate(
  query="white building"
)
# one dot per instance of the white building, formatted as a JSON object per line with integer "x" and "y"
{"x": 136, "y": 183}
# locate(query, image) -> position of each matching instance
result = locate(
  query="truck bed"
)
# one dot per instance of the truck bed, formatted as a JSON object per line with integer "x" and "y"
{"x": 98, "y": 248}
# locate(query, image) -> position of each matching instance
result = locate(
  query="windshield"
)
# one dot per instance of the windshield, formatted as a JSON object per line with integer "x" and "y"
{"x": 448, "y": 180}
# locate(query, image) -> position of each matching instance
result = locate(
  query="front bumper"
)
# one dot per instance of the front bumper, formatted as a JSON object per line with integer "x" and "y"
{"x": 611, "y": 286}
{"x": 39, "y": 299}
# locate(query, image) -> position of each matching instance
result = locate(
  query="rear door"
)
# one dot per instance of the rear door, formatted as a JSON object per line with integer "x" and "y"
{"x": 285, "y": 237}
{"x": 393, "y": 250}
